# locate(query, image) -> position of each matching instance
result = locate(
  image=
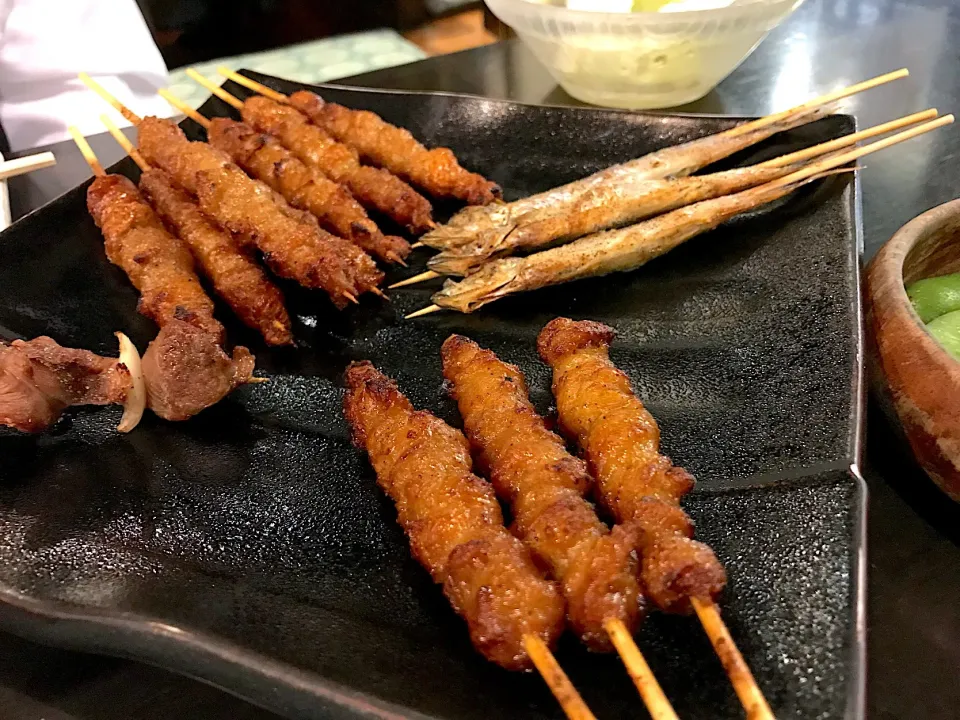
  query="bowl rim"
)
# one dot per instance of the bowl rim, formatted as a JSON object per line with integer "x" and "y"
{"x": 559, "y": 12}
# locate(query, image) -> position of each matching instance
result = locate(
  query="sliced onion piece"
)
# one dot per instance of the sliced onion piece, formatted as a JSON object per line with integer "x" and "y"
{"x": 137, "y": 397}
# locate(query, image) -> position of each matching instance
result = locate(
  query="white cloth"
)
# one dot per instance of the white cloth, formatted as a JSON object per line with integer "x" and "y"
{"x": 45, "y": 43}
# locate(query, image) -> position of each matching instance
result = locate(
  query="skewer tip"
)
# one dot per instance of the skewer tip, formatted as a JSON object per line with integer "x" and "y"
{"x": 381, "y": 293}
{"x": 352, "y": 298}
{"x": 423, "y": 311}
{"x": 417, "y": 245}
{"x": 413, "y": 280}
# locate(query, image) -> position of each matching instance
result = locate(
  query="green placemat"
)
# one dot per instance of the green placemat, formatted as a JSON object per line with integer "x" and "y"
{"x": 310, "y": 62}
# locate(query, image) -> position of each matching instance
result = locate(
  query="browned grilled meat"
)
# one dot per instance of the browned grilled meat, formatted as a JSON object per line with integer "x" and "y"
{"x": 621, "y": 441}
{"x": 376, "y": 189}
{"x": 236, "y": 276}
{"x": 156, "y": 262}
{"x": 532, "y": 470}
{"x": 292, "y": 249}
{"x": 388, "y": 146}
{"x": 453, "y": 520}
{"x": 304, "y": 187}
{"x": 39, "y": 379}
{"x": 186, "y": 371}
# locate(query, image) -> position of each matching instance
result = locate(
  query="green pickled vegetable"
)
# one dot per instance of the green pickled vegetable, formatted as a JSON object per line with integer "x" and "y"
{"x": 936, "y": 296}
{"x": 946, "y": 329}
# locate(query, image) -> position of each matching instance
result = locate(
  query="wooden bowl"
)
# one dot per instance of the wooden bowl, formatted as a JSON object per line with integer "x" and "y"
{"x": 914, "y": 375}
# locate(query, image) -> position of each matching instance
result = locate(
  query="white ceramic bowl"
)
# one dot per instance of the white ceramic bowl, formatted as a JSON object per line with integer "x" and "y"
{"x": 643, "y": 59}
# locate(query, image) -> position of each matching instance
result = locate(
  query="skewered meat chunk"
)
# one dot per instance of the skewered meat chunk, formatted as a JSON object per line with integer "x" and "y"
{"x": 388, "y": 146}
{"x": 453, "y": 520}
{"x": 265, "y": 158}
{"x": 39, "y": 379}
{"x": 531, "y": 469}
{"x": 291, "y": 248}
{"x": 156, "y": 262}
{"x": 374, "y": 188}
{"x": 620, "y": 440}
{"x": 237, "y": 277}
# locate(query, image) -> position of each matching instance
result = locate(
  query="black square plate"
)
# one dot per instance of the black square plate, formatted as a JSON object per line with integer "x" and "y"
{"x": 251, "y": 548}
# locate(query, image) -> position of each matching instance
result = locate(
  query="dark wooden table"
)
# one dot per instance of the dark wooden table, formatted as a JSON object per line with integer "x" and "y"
{"x": 913, "y": 608}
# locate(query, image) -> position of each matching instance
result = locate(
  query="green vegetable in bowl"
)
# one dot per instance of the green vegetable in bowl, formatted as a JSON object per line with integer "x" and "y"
{"x": 946, "y": 329}
{"x": 933, "y": 297}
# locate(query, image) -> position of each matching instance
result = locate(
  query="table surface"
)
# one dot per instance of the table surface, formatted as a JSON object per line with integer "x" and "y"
{"x": 913, "y": 611}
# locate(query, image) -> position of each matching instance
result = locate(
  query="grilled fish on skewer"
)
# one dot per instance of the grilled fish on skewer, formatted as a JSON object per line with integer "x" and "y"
{"x": 532, "y": 471}
{"x": 453, "y": 520}
{"x": 620, "y": 440}
{"x": 388, "y": 146}
{"x": 306, "y": 188}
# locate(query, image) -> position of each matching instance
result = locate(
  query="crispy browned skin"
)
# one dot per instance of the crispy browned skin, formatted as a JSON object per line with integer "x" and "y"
{"x": 157, "y": 263}
{"x": 304, "y": 187}
{"x": 236, "y": 276}
{"x": 532, "y": 470}
{"x": 185, "y": 371}
{"x": 39, "y": 379}
{"x": 388, "y": 146}
{"x": 621, "y": 440}
{"x": 453, "y": 520}
{"x": 376, "y": 189}
{"x": 291, "y": 248}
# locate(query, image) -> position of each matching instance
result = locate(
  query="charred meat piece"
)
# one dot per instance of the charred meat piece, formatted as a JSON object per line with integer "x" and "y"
{"x": 304, "y": 187}
{"x": 453, "y": 520}
{"x": 236, "y": 276}
{"x": 157, "y": 263}
{"x": 395, "y": 149}
{"x": 621, "y": 442}
{"x": 531, "y": 469}
{"x": 374, "y": 188}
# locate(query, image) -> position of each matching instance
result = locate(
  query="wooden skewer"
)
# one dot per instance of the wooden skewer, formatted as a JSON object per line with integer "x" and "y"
{"x": 87, "y": 152}
{"x": 184, "y": 108}
{"x": 848, "y": 140}
{"x": 428, "y": 275}
{"x": 127, "y": 113}
{"x": 125, "y": 143}
{"x": 556, "y": 679}
{"x": 233, "y": 102}
{"x": 252, "y": 84}
{"x": 818, "y": 101}
{"x": 657, "y": 704}
{"x": 423, "y": 311}
{"x": 733, "y": 663}
{"x": 416, "y": 245}
{"x": 20, "y": 166}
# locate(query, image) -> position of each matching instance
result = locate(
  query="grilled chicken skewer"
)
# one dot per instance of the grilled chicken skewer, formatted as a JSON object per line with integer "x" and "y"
{"x": 629, "y": 248}
{"x": 235, "y": 275}
{"x": 620, "y": 441}
{"x": 670, "y": 162}
{"x": 436, "y": 171}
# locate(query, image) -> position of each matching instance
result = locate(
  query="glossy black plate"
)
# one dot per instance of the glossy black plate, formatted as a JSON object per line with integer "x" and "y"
{"x": 250, "y": 547}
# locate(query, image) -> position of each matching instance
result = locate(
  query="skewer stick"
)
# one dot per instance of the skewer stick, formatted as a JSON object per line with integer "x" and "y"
{"x": 127, "y": 113}
{"x": 229, "y": 99}
{"x": 657, "y": 704}
{"x": 252, "y": 84}
{"x": 380, "y": 293}
{"x": 848, "y": 140}
{"x": 86, "y": 151}
{"x": 818, "y": 101}
{"x": 416, "y": 245}
{"x": 184, "y": 108}
{"x": 423, "y": 311}
{"x": 736, "y": 667}
{"x": 556, "y": 679}
{"x": 20, "y": 166}
{"x": 428, "y": 275}
{"x": 125, "y": 143}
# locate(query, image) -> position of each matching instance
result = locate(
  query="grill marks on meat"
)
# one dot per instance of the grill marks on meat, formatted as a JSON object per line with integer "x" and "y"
{"x": 374, "y": 188}
{"x": 304, "y": 187}
{"x": 293, "y": 249}
{"x": 157, "y": 263}
{"x": 39, "y": 379}
{"x": 236, "y": 276}
{"x": 531, "y": 469}
{"x": 620, "y": 440}
{"x": 436, "y": 171}
{"x": 452, "y": 519}
{"x": 186, "y": 371}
